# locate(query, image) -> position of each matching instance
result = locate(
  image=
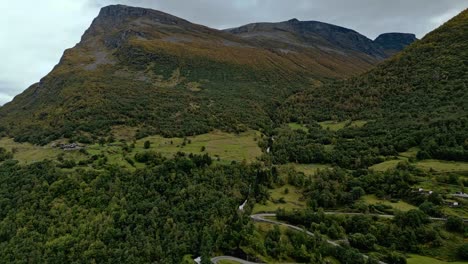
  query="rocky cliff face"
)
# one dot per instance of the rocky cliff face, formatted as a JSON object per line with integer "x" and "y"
{"x": 392, "y": 43}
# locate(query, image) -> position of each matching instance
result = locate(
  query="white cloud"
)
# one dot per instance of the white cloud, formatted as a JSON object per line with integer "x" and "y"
{"x": 438, "y": 20}
{"x": 4, "y": 98}
{"x": 34, "y": 34}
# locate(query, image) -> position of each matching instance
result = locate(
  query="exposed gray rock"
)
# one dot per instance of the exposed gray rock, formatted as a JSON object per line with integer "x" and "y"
{"x": 394, "y": 42}
{"x": 310, "y": 33}
{"x": 295, "y": 33}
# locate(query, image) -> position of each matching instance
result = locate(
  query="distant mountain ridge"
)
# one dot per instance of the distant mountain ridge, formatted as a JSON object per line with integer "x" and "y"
{"x": 160, "y": 74}
{"x": 323, "y": 36}
{"x": 416, "y": 100}
{"x": 428, "y": 79}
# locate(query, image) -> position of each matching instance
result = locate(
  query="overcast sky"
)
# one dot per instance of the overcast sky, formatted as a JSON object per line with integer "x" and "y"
{"x": 34, "y": 34}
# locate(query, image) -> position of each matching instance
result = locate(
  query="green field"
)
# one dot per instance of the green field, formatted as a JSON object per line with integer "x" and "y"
{"x": 308, "y": 169}
{"x": 335, "y": 126}
{"x": 225, "y": 146}
{"x": 433, "y": 185}
{"x": 400, "y": 205}
{"x": 28, "y": 153}
{"x": 410, "y": 153}
{"x": 443, "y": 166}
{"x": 417, "y": 259}
{"x": 296, "y": 126}
{"x": 391, "y": 164}
{"x": 435, "y": 165}
{"x": 459, "y": 211}
{"x": 291, "y": 200}
{"x": 228, "y": 262}
{"x": 386, "y": 165}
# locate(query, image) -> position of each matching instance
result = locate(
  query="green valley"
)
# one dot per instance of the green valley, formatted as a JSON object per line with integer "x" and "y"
{"x": 158, "y": 140}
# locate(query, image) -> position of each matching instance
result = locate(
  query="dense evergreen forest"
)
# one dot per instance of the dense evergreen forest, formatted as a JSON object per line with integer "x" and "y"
{"x": 187, "y": 206}
{"x": 157, "y": 214}
{"x": 355, "y": 148}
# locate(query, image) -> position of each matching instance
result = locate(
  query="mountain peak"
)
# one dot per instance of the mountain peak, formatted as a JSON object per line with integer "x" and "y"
{"x": 407, "y": 38}
{"x": 427, "y": 79}
{"x": 394, "y": 41}
{"x": 123, "y": 12}
{"x": 115, "y": 17}
{"x": 294, "y": 20}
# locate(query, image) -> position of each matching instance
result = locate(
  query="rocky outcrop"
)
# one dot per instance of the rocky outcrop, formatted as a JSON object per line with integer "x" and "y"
{"x": 114, "y": 17}
{"x": 392, "y": 43}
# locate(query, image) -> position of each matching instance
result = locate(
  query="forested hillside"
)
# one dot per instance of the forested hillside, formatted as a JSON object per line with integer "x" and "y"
{"x": 427, "y": 78}
{"x": 164, "y": 75}
{"x": 158, "y": 214}
{"x": 418, "y": 98}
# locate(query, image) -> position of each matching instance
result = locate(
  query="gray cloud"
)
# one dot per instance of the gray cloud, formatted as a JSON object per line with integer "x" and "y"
{"x": 369, "y": 17}
{"x": 7, "y": 91}
{"x": 33, "y": 34}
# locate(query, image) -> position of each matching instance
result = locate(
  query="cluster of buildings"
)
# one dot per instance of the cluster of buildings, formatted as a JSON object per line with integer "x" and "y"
{"x": 448, "y": 203}
{"x": 71, "y": 146}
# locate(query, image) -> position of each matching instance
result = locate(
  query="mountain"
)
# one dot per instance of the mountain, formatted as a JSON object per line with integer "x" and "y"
{"x": 418, "y": 98}
{"x": 161, "y": 74}
{"x": 307, "y": 36}
{"x": 427, "y": 78}
{"x": 168, "y": 201}
{"x": 393, "y": 43}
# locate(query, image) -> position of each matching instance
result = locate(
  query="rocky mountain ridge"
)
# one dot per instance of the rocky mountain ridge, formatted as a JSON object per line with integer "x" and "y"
{"x": 324, "y": 36}
{"x": 159, "y": 74}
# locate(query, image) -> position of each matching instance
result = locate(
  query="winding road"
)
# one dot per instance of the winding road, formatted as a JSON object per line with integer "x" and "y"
{"x": 264, "y": 219}
{"x": 217, "y": 260}
{"x": 387, "y": 216}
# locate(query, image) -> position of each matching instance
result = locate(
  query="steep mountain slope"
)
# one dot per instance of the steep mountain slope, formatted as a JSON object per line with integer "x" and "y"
{"x": 428, "y": 77}
{"x": 419, "y": 98}
{"x": 310, "y": 36}
{"x": 164, "y": 75}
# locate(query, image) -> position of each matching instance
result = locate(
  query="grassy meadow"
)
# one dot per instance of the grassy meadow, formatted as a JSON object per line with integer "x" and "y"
{"x": 400, "y": 205}
{"x": 386, "y": 165}
{"x": 308, "y": 169}
{"x": 336, "y": 126}
{"x": 224, "y": 147}
{"x": 418, "y": 259}
{"x": 228, "y": 262}
{"x": 296, "y": 126}
{"x": 281, "y": 199}
{"x": 28, "y": 153}
{"x": 443, "y": 166}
